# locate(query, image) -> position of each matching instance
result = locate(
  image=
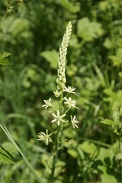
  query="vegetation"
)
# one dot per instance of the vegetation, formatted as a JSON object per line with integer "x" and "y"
{"x": 31, "y": 45}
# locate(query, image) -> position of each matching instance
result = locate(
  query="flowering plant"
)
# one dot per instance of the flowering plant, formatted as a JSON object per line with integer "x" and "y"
{"x": 65, "y": 103}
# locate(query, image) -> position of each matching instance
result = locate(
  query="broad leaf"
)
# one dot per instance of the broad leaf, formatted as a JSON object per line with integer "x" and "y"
{"x": 7, "y": 150}
{"x": 51, "y": 57}
{"x": 88, "y": 147}
{"x": 72, "y": 7}
{"x": 108, "y": 178}
{"x": 117, "y": 58}
{"x": 73, "y": 153}
{"x": 88, "y": 30}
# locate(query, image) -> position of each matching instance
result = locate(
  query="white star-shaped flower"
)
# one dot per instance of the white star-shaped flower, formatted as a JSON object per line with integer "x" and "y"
{"x": 74, "y": 122}
{"x": 58, "y": 118}
{"x": 69, "y": 102}
{"x": 69, "y": 89}
{"x": 45, "y": 136}
{"x": 47, "y": 103}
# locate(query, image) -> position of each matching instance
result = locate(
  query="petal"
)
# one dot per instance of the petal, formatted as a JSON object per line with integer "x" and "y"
{"x": 58, "y": 113}
{"x": 46, "y": 141}
{"x": 53, "y": 120}
{"x": 63, "y": 115}
{"x": 42, "y": 133}
{"x": 62, "y": 120}
{"x": 58, "y": 122}
{"x": 54, "y": 115}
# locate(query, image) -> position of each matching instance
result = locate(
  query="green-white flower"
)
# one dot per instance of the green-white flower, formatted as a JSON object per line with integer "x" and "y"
{"x": 45, "y": 136}
{"x": 69, "y": 89}
{"x": 74, "y": 122}
{"x": 47, "y": 103}
{"x": 58, "y": 118}
{"x": 69, "y": 102}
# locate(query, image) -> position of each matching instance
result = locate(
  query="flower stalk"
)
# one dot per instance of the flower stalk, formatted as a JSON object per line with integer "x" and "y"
{"x": 61, "y": 80}
{"x": 58, "y": 139}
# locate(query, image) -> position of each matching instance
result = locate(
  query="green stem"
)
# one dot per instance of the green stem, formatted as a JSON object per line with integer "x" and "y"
{"x": 56, "y": 153}
{"x": 1, "y": 21}
{"x": 7, "y": 12}
{"x": 120, "y": 161}
{"x": 57, "y": 142}
{"x": 119, "y": 143}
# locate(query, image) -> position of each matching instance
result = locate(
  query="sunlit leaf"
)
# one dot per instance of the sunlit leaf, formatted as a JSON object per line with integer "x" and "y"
{"x": 88, "y": 147}
{"x": 88, "y": 30}
{"x": 51, "y": 57}
{"x": 71, "y": 70}
{"x": 117, "y": 58}
{"x": 108, "y": 43}
{"x": 108, "y": 178}
{"x": 105, "y": 154}
{"x": 72, "y": 7}
{"x": 107, "y": 122}
{"x": 72, "y": 153}
{"x": 120, "y": 74}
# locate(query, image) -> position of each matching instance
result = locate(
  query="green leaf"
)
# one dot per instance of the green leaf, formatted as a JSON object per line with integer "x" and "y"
{"x": 108, "y": 178}
{"x": 7, "y": 150}
{"x": 72, "y": 153}
{"x": 108, "y": 43}
{"x": 119, "y": 156}
{"x": 117, "y": 58}
{"x": 12, "y": 28}
{"x": 70, "y": 6}
{"x": 120, "y": 74}
{"x": 108, "y": 91}
{"x": 106, "y": 154}
{"x": 103, "y": 5}
{"x": 100, "y": 75}
{"x": 71, "y": 70}
{"x": 88, "y": 147}
{"x": 51, "y": 57}
{"x": 107, "y": 122}
{"x": 88, "y": 30}
{"x": 3, "y": 58}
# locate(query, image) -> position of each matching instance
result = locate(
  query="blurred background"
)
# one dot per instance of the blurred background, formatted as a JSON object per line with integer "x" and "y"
{"x": 32, "y": 33}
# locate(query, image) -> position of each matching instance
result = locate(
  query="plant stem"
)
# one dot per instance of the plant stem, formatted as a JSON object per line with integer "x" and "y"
{"x": 1, "y": 21}
{"x": 119, "y": 143}
{"x": 56, "y": 153}
{"x": 58, "y": 135}
{"x": 7, "y": 12}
